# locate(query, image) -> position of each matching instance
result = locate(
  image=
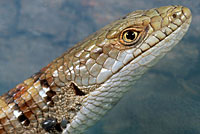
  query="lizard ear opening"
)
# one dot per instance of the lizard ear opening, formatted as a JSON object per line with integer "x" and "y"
{"x": 77, "y": 90}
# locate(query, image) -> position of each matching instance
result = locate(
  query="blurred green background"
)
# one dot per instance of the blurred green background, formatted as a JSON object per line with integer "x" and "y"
{"x": 165, "y": 101}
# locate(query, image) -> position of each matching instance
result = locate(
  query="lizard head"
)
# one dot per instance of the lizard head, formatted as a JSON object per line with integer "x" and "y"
{"x": 108, "y": 62}
{"x": 138, "y": 39}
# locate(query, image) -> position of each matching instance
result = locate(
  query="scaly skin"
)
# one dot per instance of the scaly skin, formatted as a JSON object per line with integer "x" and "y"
{"x": 79, "y": 87}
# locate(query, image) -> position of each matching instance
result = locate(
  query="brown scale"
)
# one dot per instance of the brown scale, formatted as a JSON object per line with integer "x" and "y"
{"x": 26, "y": 108}
{"x": 60, "y": 104}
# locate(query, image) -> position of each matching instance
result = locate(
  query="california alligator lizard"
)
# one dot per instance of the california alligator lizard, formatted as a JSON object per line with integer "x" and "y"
{"x": 78, "y": 88}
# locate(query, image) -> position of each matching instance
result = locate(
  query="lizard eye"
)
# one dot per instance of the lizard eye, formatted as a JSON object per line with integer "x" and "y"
{"x": 129, "y": 36}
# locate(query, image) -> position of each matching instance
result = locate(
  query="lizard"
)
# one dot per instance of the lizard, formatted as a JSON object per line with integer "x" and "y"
{"x": 75, "y": 90}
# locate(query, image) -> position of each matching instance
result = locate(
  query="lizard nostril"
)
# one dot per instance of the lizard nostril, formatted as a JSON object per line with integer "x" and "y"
{"x": 174, "y": 16}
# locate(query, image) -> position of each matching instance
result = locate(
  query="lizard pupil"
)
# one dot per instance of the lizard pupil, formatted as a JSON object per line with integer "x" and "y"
{"x": 130, "y": 35}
